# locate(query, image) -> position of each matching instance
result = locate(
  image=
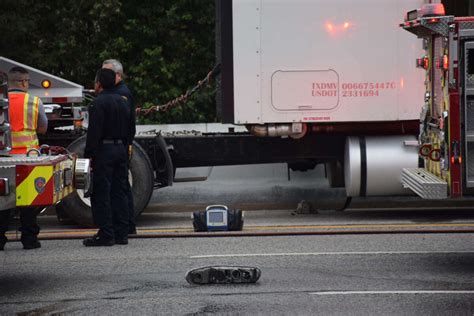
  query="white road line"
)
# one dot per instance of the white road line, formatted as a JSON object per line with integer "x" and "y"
{"x": 352, "y": 253}
{"x": 391, "y": 292}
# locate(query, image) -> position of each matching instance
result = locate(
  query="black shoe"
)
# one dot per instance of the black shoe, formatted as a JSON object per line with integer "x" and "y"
{"x": 132, "y": 231}
{"x": 121, "y": 241}
{"x": 97, "y": 241}
{"x": 31, "y": 245}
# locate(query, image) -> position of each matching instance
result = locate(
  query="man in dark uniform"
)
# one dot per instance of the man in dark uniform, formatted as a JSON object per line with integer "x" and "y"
{"x": 111, "y": 128}
{"x": 122, "y": 90}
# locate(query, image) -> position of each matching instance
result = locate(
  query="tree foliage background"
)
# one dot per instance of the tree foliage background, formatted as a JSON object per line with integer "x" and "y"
{"x": 166, "y": 46}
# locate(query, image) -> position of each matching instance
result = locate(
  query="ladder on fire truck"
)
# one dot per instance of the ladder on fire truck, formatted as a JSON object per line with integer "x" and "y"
{"x": 447, "y": 121}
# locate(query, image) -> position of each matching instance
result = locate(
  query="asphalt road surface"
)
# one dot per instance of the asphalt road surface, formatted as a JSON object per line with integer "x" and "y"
{"x": 415, "y": 274}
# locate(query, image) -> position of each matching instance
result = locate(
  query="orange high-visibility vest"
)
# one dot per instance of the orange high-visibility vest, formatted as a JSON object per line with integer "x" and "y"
{"x": 23, "y": 110}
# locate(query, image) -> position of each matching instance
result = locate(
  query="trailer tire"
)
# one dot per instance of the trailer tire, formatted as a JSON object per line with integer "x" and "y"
{"x": 78, "y": 209}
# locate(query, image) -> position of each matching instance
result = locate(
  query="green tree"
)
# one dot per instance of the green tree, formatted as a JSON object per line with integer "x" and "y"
{"x": 168, "y": 48}
{"x": 165, "y": 46}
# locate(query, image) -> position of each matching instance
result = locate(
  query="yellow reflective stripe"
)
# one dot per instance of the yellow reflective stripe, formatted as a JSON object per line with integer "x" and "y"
{"x": 29, "y": 115}
{"x": 24, "y": 136}
{"x": 25, "y": 111}
{"x": 24, "y": 139}
{"x": 35, "y": 113}
{"x": 30, "y": 112}
{"x": 31, "y": 108}
{"x": 24, "y": 144}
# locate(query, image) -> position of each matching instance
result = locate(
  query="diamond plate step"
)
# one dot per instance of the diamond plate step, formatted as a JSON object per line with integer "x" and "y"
{"x": 424, "y": 183}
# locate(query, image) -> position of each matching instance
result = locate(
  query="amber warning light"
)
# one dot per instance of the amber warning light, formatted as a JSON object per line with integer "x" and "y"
{"x": 46, "y": 84}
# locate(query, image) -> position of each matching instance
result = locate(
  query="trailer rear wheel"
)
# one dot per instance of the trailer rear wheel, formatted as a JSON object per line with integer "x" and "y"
{"x": 78, "y": 208}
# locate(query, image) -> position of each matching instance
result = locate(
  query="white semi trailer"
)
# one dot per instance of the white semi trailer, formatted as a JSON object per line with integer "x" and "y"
{"x": 333, "y": 67}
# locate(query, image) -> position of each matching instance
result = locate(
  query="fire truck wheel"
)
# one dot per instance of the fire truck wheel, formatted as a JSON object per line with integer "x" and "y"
{"x": 77, "y": 207}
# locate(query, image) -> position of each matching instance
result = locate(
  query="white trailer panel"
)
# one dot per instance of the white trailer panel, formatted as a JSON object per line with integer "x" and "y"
{"x": 60, "y": 91}
{"x": 324, "y": 61}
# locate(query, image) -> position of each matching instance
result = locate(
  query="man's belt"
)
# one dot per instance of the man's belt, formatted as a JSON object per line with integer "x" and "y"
{"x": 112, "y": 141}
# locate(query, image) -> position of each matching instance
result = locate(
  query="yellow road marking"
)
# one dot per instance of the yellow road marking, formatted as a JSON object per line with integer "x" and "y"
{"x": 252, "y": 228}
{"x": 363, "y": 226}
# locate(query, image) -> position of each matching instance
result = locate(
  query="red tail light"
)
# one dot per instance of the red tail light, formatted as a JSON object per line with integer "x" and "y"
{"x": 423, "y": 62}
{"x": 456, "y": 160}
{"x": 426, "y": 62}
{"x": 445, "y": 62}
{"x": 60, "y": 100}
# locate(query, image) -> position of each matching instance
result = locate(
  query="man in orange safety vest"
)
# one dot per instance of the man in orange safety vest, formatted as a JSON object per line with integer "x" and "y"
{"x": 27, "y": 117}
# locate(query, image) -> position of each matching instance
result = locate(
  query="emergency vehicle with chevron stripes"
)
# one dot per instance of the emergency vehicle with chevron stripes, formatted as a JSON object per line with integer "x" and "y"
{"x": 39, "y": 178}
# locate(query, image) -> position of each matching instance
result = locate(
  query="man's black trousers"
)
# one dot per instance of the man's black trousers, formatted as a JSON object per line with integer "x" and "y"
{"x": 29, "y": 228}
{"x": 109, "y": 200}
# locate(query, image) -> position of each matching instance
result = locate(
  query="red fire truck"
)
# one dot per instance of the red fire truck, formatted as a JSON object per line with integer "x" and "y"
{"x": 446, "y": 136}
